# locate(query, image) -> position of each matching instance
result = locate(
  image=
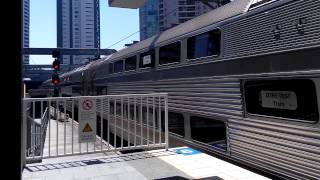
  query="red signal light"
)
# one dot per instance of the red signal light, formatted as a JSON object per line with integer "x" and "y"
{"x": 55, "y": 79}
{"x": 55, "y": 82}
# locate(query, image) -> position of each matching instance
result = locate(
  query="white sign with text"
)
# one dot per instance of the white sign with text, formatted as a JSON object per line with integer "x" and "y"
{"x": 87, "y": 120}
{"x": 279, "y": 99}
{"x": 147, "y": 60}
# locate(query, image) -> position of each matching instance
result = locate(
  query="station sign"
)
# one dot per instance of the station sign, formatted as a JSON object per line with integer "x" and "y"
{"x": 87, "y": 120}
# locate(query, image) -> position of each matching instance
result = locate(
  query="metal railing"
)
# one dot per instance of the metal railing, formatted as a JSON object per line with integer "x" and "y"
{"x": 123, "y": 122}
{"x": 37, "y": 128}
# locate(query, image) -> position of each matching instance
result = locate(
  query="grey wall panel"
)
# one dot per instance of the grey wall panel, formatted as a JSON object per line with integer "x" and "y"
{"x": 292, "y": 149}
{"x": 223, "y": 95}
{"x": 253, "y": 34}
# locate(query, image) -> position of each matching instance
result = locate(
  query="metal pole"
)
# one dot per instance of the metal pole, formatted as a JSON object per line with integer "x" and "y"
{"x": 41, "y": 112}
{"x": 24, "y": 134}
{"x": 147, "y": 121}
{"x": 115, "y": 124}
{"x": 166, "y": 121}
{"x": 108, "y": 128}
{"x": 57, "y": 130}
{"x": 135, "y": 121}
{"x": 49, "y": 128}
{"x": 121, "y": 123}
{"x": 72, "y": 110}
{"x": 154, "y": 121}
{"x": 141, "y": 132}
{"x": 159, "y": 117}
{"x": 128, "y": 120}
{"x": 65, "y": 127}
{"x": 101, "y": 127}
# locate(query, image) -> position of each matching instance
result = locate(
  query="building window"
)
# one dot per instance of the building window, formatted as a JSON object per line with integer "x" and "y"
{"x": 170, "y": 53}
{"x": 209, "y": 131}
{"x": 130, "y": 63}
{"x": 118, "y": 66}
{"x": 295, "y": 99}
{"x": 147, "y": 59}
{"x": 206, "y": 44}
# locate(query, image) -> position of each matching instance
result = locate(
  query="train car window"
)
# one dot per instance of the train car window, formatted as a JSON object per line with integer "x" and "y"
{"x": 175, "y": 123}
{"x": 147, "y": 59}
{"x": 130, "y": 63}
{"x": 118, "y": 66}
{"x": 110, "y": 68}
{"x": 209, "y": 131}
{"x": 206, "y": 44}
{"x": 170, "y": 53}
{"x": 293, "y": 99}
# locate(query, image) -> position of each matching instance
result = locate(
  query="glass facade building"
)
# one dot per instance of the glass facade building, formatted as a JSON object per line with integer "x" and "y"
{"x": 149, "y": 19}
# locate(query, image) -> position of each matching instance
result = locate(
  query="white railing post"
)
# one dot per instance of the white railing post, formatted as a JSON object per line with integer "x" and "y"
{"x": 24, "y": 134}
{"x": 166, "y": 121}
{"x": 147, "y": 132}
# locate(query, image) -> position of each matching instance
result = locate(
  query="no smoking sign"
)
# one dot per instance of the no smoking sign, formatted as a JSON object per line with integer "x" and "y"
{"x": 87, "y": 120}
{"x": 87, "y": 104}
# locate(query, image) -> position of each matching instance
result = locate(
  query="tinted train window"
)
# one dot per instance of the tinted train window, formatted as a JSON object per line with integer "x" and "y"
{"x": 118, "y": 66}
{"x": 110, "y": 68}
{"x": 147, "y": 59}
{"x": 206, "y": 44}
{"x": 169, "y": 53}
{"x": 294, "y": 99}
{"x": 175, "y": 123}
{"x": 209, "y": 131}
{"x": 130, "y": 63}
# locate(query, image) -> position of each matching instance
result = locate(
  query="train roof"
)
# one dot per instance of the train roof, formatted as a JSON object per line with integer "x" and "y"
{"x": 229, "y": 10}
{"x": 232, "y": 9}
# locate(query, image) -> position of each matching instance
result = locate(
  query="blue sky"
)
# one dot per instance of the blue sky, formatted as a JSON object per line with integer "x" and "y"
{"x": 115, "y": 24}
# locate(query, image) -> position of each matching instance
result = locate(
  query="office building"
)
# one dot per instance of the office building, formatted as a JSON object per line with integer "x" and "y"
{"x": 78, "y": 26}
{"x": 26, "y": 27}
{"x": 159, "y": 15}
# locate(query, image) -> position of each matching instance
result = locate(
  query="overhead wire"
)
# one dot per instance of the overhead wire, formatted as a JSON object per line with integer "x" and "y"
{"x": 139, "y": 30}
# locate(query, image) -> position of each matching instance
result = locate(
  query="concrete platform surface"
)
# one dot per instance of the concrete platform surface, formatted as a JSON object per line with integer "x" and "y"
{"x": 177, "y": 163}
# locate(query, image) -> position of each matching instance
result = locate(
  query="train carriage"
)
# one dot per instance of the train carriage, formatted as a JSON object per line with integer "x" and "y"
{"x": 243, "y": 82}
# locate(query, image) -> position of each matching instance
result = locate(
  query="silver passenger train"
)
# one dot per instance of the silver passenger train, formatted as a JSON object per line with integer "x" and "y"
{"x": 243, "y": 82}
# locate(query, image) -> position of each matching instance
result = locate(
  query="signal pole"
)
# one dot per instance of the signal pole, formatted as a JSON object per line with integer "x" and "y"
{"x": 55, "y": 76}
{"x": 56, "y": 80}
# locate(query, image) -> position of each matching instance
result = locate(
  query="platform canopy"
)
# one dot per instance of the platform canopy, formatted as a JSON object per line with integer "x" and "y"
{"x": 132, "y": 4}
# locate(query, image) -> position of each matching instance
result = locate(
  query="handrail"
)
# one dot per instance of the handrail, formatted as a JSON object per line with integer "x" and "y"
{"x": 65, "y": 137}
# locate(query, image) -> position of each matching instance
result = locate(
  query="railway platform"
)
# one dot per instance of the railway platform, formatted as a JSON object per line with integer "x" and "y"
{"x": 176, "y": 163}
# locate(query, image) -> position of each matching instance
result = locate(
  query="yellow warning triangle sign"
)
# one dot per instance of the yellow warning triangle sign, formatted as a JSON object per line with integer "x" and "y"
{"x": 87, "y": 128}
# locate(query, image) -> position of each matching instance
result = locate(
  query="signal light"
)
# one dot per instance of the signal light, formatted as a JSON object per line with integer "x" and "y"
{"x": 56, "y": 64}
{"x": 55, "y": 79}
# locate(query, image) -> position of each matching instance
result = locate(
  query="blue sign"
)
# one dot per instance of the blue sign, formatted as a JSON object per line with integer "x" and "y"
{"x": 187, "y": 151}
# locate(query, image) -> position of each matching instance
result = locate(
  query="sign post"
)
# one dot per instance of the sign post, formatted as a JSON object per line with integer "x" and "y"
{"x": 87, "y": 120}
